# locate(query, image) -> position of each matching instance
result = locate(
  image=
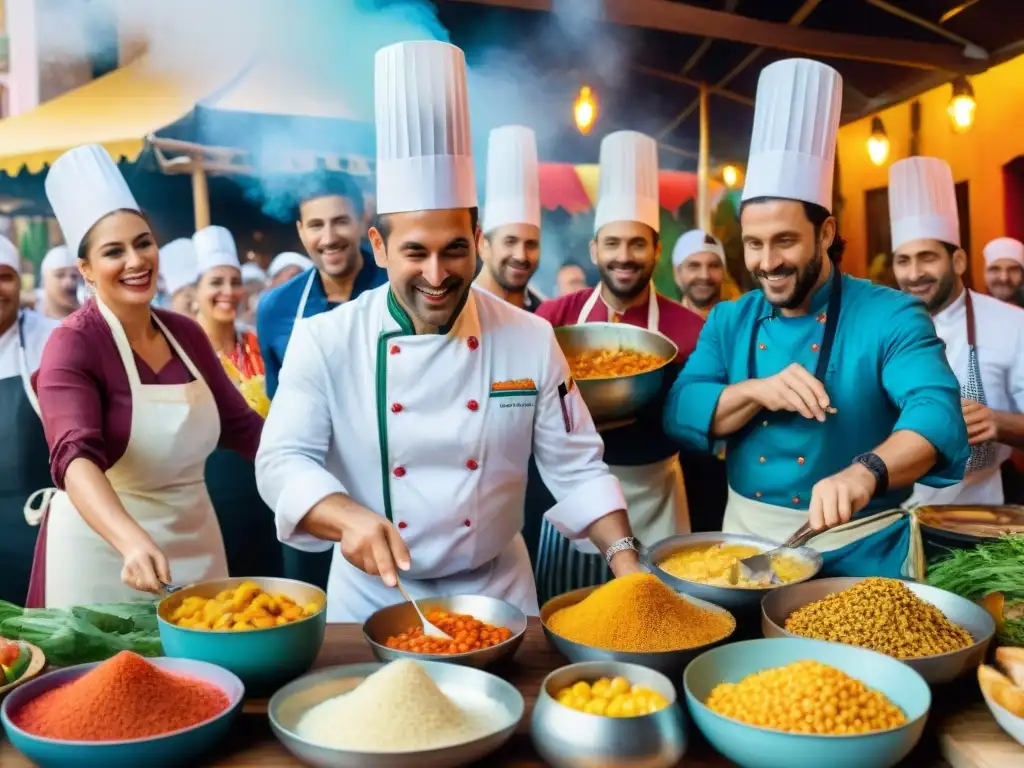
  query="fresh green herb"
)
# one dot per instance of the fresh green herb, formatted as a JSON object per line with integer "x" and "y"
{"x": 997, "y": 566}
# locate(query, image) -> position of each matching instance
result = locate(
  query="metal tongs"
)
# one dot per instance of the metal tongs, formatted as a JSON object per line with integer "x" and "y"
{"x": 758, "y": 568}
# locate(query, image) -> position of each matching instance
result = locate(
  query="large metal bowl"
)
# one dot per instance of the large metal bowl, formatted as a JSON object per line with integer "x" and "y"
{"x": 670, "y": 663}
{"x": 942, "y": 668}
{"x": 396, "y": 619}
{"x": 566, "y": 738}
{"x": 290, "y": 703}
{"x": 737, "y": 599}
{"x": 263, "y": 658}
{"x": 618, "y": 397}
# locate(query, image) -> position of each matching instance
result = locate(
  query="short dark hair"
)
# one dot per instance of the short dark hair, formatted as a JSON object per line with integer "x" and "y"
{"x": 86, "y": 244}
{"x": 329, "y": 184}
{"x": 816, "y": 214}
{"x": 382, "y": 223}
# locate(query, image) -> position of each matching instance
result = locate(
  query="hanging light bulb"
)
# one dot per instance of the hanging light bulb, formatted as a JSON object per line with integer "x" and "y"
{"x": 962, "y": 105}
{"x": 878, "y": 142}
{"x": 585, "y": 110}
{"x": 730, "y": 175}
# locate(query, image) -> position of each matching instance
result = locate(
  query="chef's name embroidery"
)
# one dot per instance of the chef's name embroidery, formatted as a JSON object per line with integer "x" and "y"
{"x": 514, "y": 388}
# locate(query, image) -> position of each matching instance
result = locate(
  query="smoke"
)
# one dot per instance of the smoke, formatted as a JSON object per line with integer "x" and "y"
{"x": 315, "y": 59}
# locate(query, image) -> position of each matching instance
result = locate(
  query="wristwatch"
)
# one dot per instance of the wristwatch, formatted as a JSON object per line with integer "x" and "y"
{"x": 621, "y": 545}
{"x": 874, "y": 464}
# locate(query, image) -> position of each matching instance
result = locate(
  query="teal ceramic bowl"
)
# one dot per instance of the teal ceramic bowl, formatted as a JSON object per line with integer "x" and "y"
{"x": 179, "y": 748}
{"x": 752, "y": 747}
{"x": 264, "y": 659}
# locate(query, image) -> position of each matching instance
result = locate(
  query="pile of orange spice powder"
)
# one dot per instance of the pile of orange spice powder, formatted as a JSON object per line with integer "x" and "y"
{"x": 125, "y": 697}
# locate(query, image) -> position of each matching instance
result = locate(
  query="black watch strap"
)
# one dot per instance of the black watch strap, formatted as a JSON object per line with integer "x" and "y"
{"x": 874, "y": 464}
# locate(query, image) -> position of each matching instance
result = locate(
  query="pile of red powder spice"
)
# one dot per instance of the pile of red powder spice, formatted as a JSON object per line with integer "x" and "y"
{"x": 125, "y": 697}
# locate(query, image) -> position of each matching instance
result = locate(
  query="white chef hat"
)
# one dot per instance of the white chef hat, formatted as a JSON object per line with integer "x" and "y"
{"x": 513, "y": 178}
{"x": 1005, "y": 248}
{"x": 793, "y": 144}
{"x": 627, "y": 186}
{"x": 253, "y": 273}
{"x": 696, "y": 241}
{"x": 178, "y": 265}
{"x": 9, "y": 256}
{"x": 83, "y": 186}
{"x": 922, "y": 201}
{"x": 288, "y": 259}
{"x": 424, "y": 151}
{"x": 215, "y": 247}
{"x": 57, "y": 258}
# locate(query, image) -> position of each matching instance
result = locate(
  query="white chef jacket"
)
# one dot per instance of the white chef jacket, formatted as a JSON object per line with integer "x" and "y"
{"x": 456, "y": 437}
{"x": 36, "y": 329}
{"x": 999, "y": 330}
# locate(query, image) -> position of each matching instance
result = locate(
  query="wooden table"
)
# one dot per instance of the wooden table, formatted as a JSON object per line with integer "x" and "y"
{"x": 251, "y": 743}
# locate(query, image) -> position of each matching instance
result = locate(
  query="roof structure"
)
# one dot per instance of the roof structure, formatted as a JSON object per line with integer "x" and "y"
{"x": 646, "y": 58}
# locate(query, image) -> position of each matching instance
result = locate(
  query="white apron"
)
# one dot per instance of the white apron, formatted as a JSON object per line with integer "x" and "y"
{"x": 655, "y": 493}
{"x": 159, "y": 479}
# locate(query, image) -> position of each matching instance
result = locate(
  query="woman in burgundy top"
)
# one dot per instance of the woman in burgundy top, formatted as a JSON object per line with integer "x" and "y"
{"x": 250, "y": 535}
{"x": 134, "y": 400}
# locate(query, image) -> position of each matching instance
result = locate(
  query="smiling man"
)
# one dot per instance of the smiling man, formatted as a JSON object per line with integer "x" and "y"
{"x": 329, "y": 224}
{"x": 984, "y": 336}
{"x": 833, "y": 394}
{"x": 1004, "y": 270}
{"x": 626, "y": 247}
{"x": 404, "y": 420}
{"x": 698, "y": 261}
{"x": 510, "y": 248}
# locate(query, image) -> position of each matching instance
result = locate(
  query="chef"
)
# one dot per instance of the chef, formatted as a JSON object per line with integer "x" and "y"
{"x": 179, "y": 271}
{"x": 287, "y": 265}
{"x": 698, "y": 262}
{"x": 625, "y": 249}
{"x": 834, "y": 395}
{"x": 1004, "y": 269}
{"x": 59, "y": 292}
{"x": 330, "y": 214}
{"x": 570, "y": 278}
{"x": 510, "y": 248}
{"x": 24, "y": 455}
{"x": 984, "y": 336}
{"x": 134, "y": 400}
{"x": 404, "y": 420}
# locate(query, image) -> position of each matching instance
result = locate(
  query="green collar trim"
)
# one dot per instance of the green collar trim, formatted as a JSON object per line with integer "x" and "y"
{"x": 400, "y": 316}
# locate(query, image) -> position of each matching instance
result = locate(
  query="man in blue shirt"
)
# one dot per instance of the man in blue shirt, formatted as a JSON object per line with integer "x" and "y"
{"x": 833, "y": 394}
{"x": 330, "y": 226}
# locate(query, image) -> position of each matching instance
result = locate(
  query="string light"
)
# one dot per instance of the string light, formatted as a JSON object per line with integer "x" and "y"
{"x": 585, "y": 110}
{"x": 962, "y": 105}
{"x": 878, "y": 142}
{"x": 731, "y": 176}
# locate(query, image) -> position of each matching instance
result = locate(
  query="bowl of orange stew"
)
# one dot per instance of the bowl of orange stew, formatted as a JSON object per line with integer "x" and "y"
{"x": 618, "y": 368}
{"x": 484, "y": 630}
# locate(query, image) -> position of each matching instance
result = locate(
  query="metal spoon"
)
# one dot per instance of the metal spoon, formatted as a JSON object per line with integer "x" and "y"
{"x": 428, "y": 629}
{"x": 170, "y": 589}
{"x": 759, "y": 567}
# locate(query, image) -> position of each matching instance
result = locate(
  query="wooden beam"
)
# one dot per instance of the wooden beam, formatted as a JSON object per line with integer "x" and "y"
{"x": 971, "y": 49}
{"x": 690, "y": 20}
{"x": 705, "y": 44}
{"x": 703, "y": 176}
{"x": 725, "y": 93}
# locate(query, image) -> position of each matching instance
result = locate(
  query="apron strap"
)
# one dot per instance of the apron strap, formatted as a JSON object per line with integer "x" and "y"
{"x": 26, "y": 374}
{"x": 305, "y": 295}
{"x": 177, "y": 348}
{"x": 34, "y": 512}
{"x": 969, "y": 306}
{"x": 653, "y": 312}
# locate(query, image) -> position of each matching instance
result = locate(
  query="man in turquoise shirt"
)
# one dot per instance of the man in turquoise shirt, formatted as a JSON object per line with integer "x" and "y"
{"x": 833, "y": 394}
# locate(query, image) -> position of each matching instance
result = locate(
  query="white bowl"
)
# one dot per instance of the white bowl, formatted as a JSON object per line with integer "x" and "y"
{"x": 1008, "y": 721}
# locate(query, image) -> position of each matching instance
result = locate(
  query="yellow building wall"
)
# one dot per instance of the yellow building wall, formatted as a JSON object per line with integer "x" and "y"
{"x": 978, "y": 157}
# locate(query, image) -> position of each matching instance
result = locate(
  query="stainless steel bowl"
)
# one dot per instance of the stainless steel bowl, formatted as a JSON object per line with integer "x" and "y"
{"x": 565, "y": 738}
{"x": 396, "y": 619}
{"x": 670, "y": 663}
{"x": 619, "y": 397}
{"x": 943, "y": 668}
{"x": 739, "y": 599}
{"x": 289, "y": 704}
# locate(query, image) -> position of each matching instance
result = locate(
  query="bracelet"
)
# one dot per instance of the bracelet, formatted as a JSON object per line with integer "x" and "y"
{"x": 621, "y": 545}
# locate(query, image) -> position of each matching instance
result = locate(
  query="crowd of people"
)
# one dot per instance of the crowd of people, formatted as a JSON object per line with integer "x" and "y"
{"x": 424, "y": 422}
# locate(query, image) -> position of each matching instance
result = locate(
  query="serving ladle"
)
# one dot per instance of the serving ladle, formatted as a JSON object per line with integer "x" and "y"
{"x": 758, "y": 568}
{"x": 429, "y": 630}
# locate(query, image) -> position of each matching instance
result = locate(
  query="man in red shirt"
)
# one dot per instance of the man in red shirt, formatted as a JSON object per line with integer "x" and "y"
{"x": 625, "y": 249}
